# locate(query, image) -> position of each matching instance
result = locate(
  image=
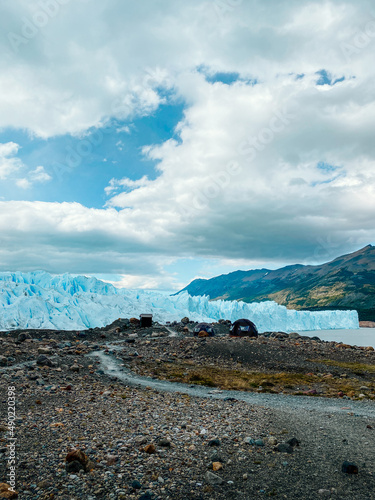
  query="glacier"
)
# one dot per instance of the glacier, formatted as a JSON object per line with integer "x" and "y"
{"x": 39, "y": 300}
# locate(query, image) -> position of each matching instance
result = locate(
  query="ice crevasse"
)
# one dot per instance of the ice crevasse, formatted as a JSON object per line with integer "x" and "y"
{"x": 66, "y": 302}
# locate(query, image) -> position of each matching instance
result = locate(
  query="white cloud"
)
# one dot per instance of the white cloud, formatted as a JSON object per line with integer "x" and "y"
{"x": 39, "y": 175}
{"x": 242, "y": 182}
{"x": 23, "y": 183}
{"x": 9, "y": 163}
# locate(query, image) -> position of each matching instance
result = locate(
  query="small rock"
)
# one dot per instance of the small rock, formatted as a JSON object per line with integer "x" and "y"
{"x": 43, "y": 360}
{"x": 44, "y": 484}
{"x": 136, "y": 485}
{"x": 77, "y": 460}
{"x": 259, "y": 442}
{"x": 165, "y": 443}
{"x": 272, "y": 441}
{"x": 44, "y": 350}
{"x": 349, "y": 468}
{"x": 214, "y": 442}
{"x": 284, "y": 448}
{"x": 245, "y": 476}
{"x": 150, "y": 449}
{"x": 293, "y": 442}
{"x": 212, "y": 478}
{"x": 23, "y": 336}
{"x": 217, "y": 466}
{"x": 249, "y": 440}
{"x": 146, "y": 496}
{"x": 3, "y": 362}
{"x": 112, "y": 459}
{"x": 74, "y": 368}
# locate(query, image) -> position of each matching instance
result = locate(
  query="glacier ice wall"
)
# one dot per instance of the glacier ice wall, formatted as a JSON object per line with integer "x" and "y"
{"x": 66, "y": 302}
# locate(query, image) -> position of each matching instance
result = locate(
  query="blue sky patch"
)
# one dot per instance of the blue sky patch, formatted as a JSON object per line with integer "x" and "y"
{"x": 82, "y": 167}
{"x": 326, "y": 78}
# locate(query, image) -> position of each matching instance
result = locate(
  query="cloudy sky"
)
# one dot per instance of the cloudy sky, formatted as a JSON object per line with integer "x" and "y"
{"x": 152, "y": 142}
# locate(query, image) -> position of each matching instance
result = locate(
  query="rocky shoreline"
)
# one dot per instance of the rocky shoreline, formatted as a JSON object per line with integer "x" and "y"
{"x": 141, "y": 443}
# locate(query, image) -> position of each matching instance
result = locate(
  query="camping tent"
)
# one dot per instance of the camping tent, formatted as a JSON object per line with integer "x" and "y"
{"x": 204, "y": 327}
{"x": 243, "y": 328}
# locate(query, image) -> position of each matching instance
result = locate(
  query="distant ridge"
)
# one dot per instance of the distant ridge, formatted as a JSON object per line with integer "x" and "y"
{"x": 347, "y": 282}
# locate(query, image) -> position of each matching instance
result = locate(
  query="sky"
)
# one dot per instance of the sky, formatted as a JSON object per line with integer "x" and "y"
{"x": 149, "y": 143}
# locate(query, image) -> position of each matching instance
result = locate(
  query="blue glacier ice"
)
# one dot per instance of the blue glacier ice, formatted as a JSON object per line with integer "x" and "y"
{"x": 65, "y": 302}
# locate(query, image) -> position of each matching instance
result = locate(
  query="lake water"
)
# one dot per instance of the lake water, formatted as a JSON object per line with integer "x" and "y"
{"x": 360, "y": 337}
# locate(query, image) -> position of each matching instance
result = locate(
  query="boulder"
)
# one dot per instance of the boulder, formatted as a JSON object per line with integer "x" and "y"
{"x": 77, "y": 460}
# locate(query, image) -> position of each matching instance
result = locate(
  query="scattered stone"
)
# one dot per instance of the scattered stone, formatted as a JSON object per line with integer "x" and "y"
{"x": 217, "y": 466}
{"x": 76, "y": 460}
{"x": 272, "y": 441}
{"x": 44, "y": 350}
{"x": 136, "y": 485}
{"x": 23, "y": 336}
{"x": 146, "y": 496}
{"x": 214, "y": 442}
{"x": 324, "y": 493}
{"x": 212, "y": 478}
{"x": 349, "y": 468}
{"x": 185, "y": 320}
{"x": 293, "y": 442}
{"x": 3, "y": 362}
{"x": 74, "y": 368}
{"x": 249, "y": 440}
{"x": 284, "y": 448}
{"x": 150, "y": 449}
{"x": 259, "y": 442}
{"x": 43, "y": 360}
{"x": 165, "y": 443}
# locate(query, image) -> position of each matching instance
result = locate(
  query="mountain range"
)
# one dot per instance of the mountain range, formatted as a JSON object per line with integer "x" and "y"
{"x": 347, "y": 282}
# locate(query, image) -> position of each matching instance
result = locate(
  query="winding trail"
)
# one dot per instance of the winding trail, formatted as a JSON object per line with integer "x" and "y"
{"x": 115, "y": 368}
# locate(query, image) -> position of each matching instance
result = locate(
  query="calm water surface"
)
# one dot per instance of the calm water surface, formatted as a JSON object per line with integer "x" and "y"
{"x": 360, "y": 337}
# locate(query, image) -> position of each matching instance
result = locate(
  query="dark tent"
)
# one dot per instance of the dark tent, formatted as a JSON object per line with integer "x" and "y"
{"x": 243, "y": 328}
{"x": 204, "y": 327}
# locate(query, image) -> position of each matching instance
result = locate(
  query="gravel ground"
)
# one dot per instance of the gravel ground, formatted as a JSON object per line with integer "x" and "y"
{"x": 144, "y": 443}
